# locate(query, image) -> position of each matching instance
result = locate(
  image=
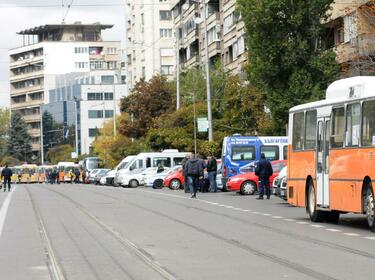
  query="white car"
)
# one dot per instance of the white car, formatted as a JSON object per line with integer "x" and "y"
{"x": 279, "y": 184}
{"x": 156, "y": 179}
{"x": 137, "y": 177}
{"x": 107, "y": 179}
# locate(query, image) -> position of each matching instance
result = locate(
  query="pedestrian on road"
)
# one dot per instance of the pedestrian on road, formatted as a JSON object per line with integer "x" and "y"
{"x": 264, "y": 171}
{"x": 71, "y": 176}
{"x": 186, "y": 185}
{"x": 194, "y": 171}
{"x": 6, "y": 174}
{"x": 83, "y": 176}
{"x": 77, "y": 174}
{"x": 212, "y": 172}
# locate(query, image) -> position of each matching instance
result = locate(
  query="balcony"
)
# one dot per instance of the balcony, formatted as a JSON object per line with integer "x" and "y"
{"x": 192, "y": 61}
{"x": 214, "y": 48}
{"x": 27, "y": 89}
{"x": 26, "y": 76}
{"x": 189, "y": 38}
{"x": 34, "y": 131}
{"x": 362, "y": 47}
{"x": 19, "y": 105}
{"x": 25, "y": 62}
{"x": 32, "y": 118}
{"x": 35, "y": 147}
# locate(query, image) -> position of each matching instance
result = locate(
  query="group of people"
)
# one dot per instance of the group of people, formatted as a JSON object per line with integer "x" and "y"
{"x": 193, "y": 170}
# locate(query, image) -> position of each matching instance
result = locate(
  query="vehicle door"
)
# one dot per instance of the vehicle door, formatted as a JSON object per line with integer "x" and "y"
{"x": 322, "y": 162}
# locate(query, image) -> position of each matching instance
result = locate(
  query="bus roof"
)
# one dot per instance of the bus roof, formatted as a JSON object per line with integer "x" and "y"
{"x": 343, "y": 90}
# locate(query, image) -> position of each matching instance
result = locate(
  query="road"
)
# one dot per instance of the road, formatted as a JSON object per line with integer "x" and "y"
{"x": 89, "y": 232}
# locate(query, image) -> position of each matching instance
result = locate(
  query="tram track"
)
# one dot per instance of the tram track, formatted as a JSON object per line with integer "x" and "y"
{"x": 245, "y": 247}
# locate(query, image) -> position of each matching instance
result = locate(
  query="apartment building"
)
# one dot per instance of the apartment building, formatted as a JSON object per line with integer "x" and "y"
{"x": 225, "y": 33}
{"x": 78, "y": 109}
{"x": 49, "y": 51}
{"x": 350, "y": 31}
{"x": 150, "y": 40}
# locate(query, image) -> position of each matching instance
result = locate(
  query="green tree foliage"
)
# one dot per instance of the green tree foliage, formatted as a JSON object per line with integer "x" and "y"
{"x": 147, "y": 101}
{"x": 60, "y": 153}
{"x": 4, "y": 120}
{"x": 286, "y": 60}
{"x": 10, "y": 161}
{"x": 18, "y": 141}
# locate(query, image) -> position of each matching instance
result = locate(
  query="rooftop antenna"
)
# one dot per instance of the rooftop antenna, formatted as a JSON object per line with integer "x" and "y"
{"x": 62, "y": 10}
{"x": 67, "y": 10}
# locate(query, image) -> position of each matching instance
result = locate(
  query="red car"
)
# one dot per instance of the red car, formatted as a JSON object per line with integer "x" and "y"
{"x": 174, "y": 180}
{"x": 247, "y": 183}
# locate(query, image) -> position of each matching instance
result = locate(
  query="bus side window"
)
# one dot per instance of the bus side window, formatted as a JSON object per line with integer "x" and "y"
{"x": 271, "y": 152}
{"x": 310, "y": 131}
{"x": 298, "y": 129}
{"x": 353, "y": 122}
{"x": 337, "y": 128}
{"x": 368, "y": 123}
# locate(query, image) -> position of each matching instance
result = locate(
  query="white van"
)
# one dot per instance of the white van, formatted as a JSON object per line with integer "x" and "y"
{"x": 129, "y": 176}
{"x": 112, "y": 174}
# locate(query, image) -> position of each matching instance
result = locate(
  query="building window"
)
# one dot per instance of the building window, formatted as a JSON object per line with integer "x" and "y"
{"x": 81, "y": 50}
{"x": 213, "y": 35}
{"x": 241, "y": 45}
{"x": 95, "y": 114}
{"x": 229, "y": 22}
{"x": 108, "y": 79}
{"x": 108, "y": 114}
{"x": 108, "y": 96}
{"x": 350, "y": 27}
{"x": 111, "y": 50}
{"x": 96, "y": 65}
{"x": 165, "y": 15}
{"x": 94, "y": 96}
{"x": 166, "y": 69}
{"x": 93, "y": 132}
{"x": 111, "y": 65}
{"x": 95, "y": 50}
{"x": 167, "y": 52}
{"x": 165, "y": 32}
{"x": 143, "y": 72}
{"x": 82, "y": 65}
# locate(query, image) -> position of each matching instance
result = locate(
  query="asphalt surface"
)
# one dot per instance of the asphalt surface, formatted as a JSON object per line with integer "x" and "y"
{"x": 89, "y": 232}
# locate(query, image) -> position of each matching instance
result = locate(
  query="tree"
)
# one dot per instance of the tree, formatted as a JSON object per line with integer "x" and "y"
{"x": 60, "y": 153}
{"x": 147, "y": 101}
{"x": 286, "y": 60}
{"x": 18, "y": 141}
{"x": 4, "y": 120}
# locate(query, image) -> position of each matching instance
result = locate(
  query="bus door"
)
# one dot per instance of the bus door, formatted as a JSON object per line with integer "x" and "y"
{"x": 322, "y": 161}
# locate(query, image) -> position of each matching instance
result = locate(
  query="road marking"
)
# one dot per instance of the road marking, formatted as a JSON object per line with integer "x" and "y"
{"x": 266, "y": 214}
{"x": 369, "y": 237}
{"x": 351, "y": 234}
{"x": 4, "y": 210}
{"x": 318, "y": 226}
{"x": 238, "y": 209}
{"x": 229, "y": 207}
{"x": 302, "y": 223}
{"x": 290, "y": 220}
{"x": 277, "y": 217}
{"x": 333, "y": 230}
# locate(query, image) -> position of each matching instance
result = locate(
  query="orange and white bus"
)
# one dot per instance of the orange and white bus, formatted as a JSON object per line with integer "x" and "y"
{"x": 331, "y": 153}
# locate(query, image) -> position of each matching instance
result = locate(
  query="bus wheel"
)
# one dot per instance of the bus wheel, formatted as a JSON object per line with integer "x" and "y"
{"x": 133, "y": 183}
{"x": 370, "y": 208}
{"x": 248, "y": 188}
{"x": 175, "y": 184}
{"x": 315, "y": 215}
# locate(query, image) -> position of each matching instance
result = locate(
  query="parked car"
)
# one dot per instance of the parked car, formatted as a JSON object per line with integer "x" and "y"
{"x": 279, "y": 184}
{"x": 247, "y": 183}
{"x": 92, "y": 173}
{"x": 175, "y": 180}
{"x": 156, "y": 180}
{"x": 107, "y": 179}
{"x": 99, "y": 175}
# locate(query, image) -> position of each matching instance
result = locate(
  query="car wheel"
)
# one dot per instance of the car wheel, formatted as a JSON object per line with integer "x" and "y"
{"x": 175, "y": 184}
{"x": 112, "y": 182}
{"x": 248, "y": 188}
{"x": 158, "y": 184}
{"x": 370, "y": 208}
{"x": 133, "y": 183}
{"x": 315, "y": 215}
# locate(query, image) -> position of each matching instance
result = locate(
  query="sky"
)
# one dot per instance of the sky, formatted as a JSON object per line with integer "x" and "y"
{"x": 17, "y": 15}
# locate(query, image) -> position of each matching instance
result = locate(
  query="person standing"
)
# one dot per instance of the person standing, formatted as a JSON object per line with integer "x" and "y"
{"x": 186, "y": 185}
{"x": 6, "y": 174}
{"x": 264, "y": 171}
{"x": 76, "y": 174}
{"x": 212, "y": 172}
{"x": 194, "y": 171}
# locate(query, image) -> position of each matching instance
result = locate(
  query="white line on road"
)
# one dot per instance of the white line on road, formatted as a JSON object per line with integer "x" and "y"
{"x": 351, "y": 234}
{"x": 302, "y": 223}
{"x": 290, "y": 220}
{"x": 4, "y": 210}
{"x": 369, "y": 237}
{"x": 333, "y": 230}
{"x": 277, "y": 217}
{"x": 318, "y": 226}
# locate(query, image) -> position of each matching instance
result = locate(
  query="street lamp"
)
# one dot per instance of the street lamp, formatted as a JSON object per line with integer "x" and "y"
{"x": 195, "y": 122}
{"x": 208, "y": 84}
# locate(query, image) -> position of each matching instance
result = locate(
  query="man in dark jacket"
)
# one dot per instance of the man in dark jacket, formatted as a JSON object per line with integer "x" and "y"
{"x": 264, "y": 171}
{"x": 186, "y": 186}
{"x": 212, "y": 172}
{"x": 194, "y": 171}
{"x": 6, "y": 174}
